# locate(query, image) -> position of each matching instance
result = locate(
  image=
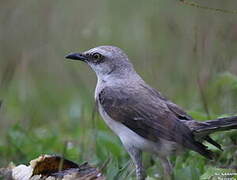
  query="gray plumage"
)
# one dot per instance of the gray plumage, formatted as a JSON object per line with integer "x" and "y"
{"x": 143, "y": 119}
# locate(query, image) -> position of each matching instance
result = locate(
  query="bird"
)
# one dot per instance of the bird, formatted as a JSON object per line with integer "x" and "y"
{"x": 142, "y": 118}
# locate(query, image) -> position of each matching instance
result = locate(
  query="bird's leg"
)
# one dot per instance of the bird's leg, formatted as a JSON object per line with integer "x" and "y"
{"x": 167, "y": 168}
{"x": 136, "y": 156}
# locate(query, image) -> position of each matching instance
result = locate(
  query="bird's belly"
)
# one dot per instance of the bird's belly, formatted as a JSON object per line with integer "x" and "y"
{"x": 130, "y": 138}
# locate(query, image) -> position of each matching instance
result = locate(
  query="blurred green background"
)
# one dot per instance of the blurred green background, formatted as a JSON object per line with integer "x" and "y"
{"x": 188, "y": 53}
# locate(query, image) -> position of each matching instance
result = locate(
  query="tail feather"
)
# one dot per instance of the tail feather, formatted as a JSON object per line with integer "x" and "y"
{"x": 202, "y": 130}
{"x": 211, "y": 126}
{"x": 214, "y": 143}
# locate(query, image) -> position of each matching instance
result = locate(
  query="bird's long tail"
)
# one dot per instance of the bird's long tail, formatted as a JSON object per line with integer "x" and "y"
{"x": 211, "y": 126}
{"x": 202, "y": 130}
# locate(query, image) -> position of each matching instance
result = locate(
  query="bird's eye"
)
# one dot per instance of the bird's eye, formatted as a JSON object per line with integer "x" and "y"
{"x": 97, "y": 56}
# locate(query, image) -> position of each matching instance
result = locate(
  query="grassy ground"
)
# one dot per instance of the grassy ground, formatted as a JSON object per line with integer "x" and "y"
{"x": 71, "y": 130}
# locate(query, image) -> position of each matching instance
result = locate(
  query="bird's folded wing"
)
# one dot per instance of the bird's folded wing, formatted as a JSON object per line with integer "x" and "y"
{"x": 178, "y": 111}
{"x": 148, "y": 115}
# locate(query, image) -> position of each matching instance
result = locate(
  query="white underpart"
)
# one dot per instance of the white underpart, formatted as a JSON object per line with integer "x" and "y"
{"x": 131, "y": 139}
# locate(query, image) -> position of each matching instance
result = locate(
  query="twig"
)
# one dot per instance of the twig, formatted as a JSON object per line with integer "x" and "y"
{"x": 63, "y": 155}
{"x": 105, "y": 164}
{"x": 203, "y": 98}
{"x": 193, "y": 4}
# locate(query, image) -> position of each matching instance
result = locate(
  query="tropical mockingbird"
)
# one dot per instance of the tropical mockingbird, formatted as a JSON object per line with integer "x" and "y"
{"x": 143, "y": 119}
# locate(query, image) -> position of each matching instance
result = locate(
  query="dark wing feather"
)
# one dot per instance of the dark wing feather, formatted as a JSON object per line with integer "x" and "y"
{"x": 180, "y": 114}
{"x": 149, "y": 116}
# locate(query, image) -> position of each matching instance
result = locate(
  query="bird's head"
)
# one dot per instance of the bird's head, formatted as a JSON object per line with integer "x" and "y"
{"x": 105, "y": 60}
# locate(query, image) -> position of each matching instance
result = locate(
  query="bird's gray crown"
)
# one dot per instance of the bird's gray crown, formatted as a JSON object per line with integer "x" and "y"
{"x": 105, "y": 60}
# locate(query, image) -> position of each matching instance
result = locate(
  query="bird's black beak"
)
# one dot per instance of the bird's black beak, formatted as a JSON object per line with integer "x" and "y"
{"x": 76, "y": 56}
